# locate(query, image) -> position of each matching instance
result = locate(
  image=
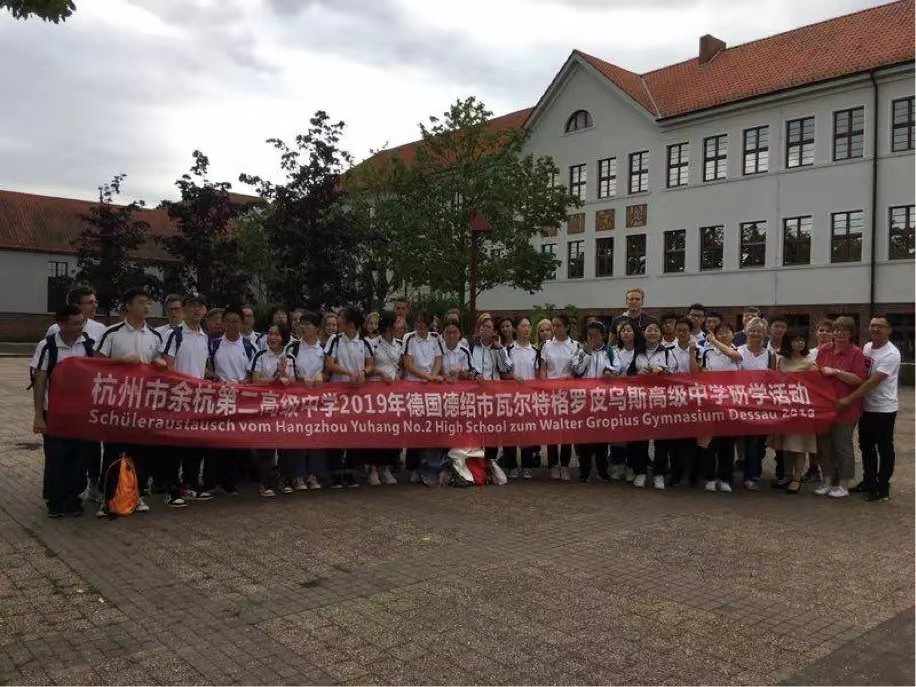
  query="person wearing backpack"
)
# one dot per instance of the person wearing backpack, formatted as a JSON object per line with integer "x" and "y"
{"x": 598, "y": 363}
{"x": 65, "y": 459}
{"x": 185, "y": 349}
{"x": 307, "y": 353}
{"x": 230, "y": 360}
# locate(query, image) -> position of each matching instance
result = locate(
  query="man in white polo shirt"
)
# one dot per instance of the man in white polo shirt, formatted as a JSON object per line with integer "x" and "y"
{"x": 879, "y": 410}
{"x": 174, "y": 310}
{"x": 129, "y": 341}
{"x": 84, "y": 298}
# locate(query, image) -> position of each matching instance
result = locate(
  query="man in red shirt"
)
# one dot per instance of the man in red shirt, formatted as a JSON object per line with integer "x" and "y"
{"x": 844, "y": 364}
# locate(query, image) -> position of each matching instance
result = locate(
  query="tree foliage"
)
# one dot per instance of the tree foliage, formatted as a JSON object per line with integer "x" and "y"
{"x": 105, "y": 246}
{"x": 314, "y": 240}
{"x": 46, "y": 10}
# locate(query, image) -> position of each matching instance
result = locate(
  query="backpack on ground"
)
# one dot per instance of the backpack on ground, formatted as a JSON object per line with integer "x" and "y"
{"x": 127, "y": 492}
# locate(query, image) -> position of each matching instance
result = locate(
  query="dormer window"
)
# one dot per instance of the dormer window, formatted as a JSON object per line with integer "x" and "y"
{"x": 580, "y": 119}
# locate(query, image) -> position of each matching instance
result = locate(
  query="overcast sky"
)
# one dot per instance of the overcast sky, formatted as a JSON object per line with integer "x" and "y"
{"x": 134, "y": 86}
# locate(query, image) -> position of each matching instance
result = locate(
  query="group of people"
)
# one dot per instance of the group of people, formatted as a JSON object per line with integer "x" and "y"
{"x": 312, "y": 348}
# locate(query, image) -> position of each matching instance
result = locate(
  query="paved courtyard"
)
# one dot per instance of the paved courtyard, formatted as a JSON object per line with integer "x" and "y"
{"x": 536, "y": 582}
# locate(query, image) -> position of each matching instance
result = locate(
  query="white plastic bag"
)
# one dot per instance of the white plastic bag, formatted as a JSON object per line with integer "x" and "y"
{"x": 497, "y": 474}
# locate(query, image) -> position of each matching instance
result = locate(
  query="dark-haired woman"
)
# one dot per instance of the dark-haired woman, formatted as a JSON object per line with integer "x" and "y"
{"x": 386, "y": 368}
{"x": 628, "y": 338}
{"x": 559, "y": 356}
{"x": 794, "y": 357}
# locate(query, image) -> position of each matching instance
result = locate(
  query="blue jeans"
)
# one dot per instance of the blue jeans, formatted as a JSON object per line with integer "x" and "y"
{"x": 754, "y": 449}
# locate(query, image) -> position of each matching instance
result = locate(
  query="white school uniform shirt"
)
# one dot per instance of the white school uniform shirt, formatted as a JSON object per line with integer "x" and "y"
{"x": 883, "y": 398}
{"x": 660, "y": 356}
{"x": 484, "y": 361}
{"x": 751, "y": 361}
{"x": 92, "y": 328}
{"x": 558, "y": 357}
{"x": 624, "y": 359}
{"x": 191, "y": 356}
{"x": 348, "y": 353}
{"x": 164, "y": 329}
{"x": 422, "y": 351}
{"x": 388, "y": 356}
{"x": 595, "y": 364}
{"x": 230, "y": 362}
{"x": 524, "y": 359}
{"x": 715, "y": 360}
{"x": 682, "y": 356}
{"x": 266, "y": 362}
{"x": 308, "y": 358}
{"x": 122, "y": 339}
{"x": 255, "y": 338}
{"x": 457, "y": 358}
{"x": 41, "y": 357}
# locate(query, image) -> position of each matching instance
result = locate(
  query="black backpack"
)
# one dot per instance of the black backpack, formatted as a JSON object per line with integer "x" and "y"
{"x": 50, "y": 350}
{"x": 214, "y": 347}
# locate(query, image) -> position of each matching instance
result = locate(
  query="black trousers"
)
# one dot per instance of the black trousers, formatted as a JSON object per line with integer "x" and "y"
{"x": 530, "y": 457}
{"x": 139, "y": 453}
{"x": 561, "y": 454}
{"x": 876, "y": 440}
{"x": 191, "y": 459}
{"x": 586, "y": 453}
{"x": 666, "y": 455}
{"x": 93, "y": 461}
{"x": 166, "y": 468}
{"x": 225, "y": 467}
{"x": 64, "y": 472}
{"x": 382, "y": 457}
{"x": 638, "y": 456}
{"x": 683, "y": 457}
{"x": 720, "y": 459}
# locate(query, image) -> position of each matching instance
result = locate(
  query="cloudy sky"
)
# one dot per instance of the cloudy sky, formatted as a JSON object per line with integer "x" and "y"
{"x": 134, "y": 86}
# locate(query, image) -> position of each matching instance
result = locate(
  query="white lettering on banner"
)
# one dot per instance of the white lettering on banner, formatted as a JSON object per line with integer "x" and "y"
{"x": 432, "y": 404}
{"x": 468, "y": 404}
{"x": 559, "y": 402}
{"x": 522, "y": 404}
{"x": 636, "y": 398}
{"x": 289, "y": 404}
{"x": 451, "y": 405}
{"x": 180, "y": 398}
{"x": 576, "y": 400}
{"x": 798, "y": 393}
{"x": 484, "y": 405}
{"x": 658, "y": 397}
{"x": 103, "y": 389}
{"x": 396, "y": 404}
{"x": 226, "y": 403}
{"x": 696, "y": 392}
{"x": 717, "y": 393}
{"x": 738, "y": 393}
{"x": 157, "y": 394}
{"x": 677, "y": 396}
{"x": 203, "y": 400}
{"x": 757, "y": 392}
{"x": 415, "y": 405}
{"x": 617, "y": 398}
{"x": 130, "y": 393}
{"x": 504, "y": 405}
{"x": 270, "y": 403}
{"x": 541, "y": 403}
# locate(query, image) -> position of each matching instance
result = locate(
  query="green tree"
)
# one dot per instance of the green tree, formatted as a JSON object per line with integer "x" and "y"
{"x": 46, "y": 10}
{"x": 464, "y": 164}
{"x": 106, "y": 244}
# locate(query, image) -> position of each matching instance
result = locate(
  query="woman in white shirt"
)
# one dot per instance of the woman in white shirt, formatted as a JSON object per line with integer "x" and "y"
{"x": 524, "y": 360}
{"x": 626, "y": 338}
{"x": 558, "y": 357}
{"x": 719, "y": 452}
{"x": 650, "y": 357}
{"x": 386, "y": 368}
{"x": 422, "y": 361}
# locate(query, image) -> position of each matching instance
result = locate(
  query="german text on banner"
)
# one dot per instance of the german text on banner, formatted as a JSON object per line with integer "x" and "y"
{"x": 132, "y": 403}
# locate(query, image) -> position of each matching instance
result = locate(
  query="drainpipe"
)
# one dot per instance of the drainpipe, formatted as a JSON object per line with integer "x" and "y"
{"x": 874, "y": 197}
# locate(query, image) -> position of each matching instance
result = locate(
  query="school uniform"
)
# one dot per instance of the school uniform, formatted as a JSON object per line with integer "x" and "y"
{"x": 423, "y": 352}
{"x": 91, "y": 328}
{"x": 658, "y": 358}
{"x": 754, "y": 446}
{"x": 456, "y": 359}
{"x": 117, "y": 341}
{"x": 559, "y": 357}
{"x": 190, "y": 351}
{"x": 308, "y": 358}
{"x": 255, "y": 338}
{"x": 619, "y": 453}
{"x": 525, "y": 359}
{"x": 350, "y": 354}
{"x": 594, "y": 365}
{"x": 490, "y": 364}
{"x": 270, "y": 365}
{"x": 386, "y": 360}
{"x": 676, "y": 456}
{"x": 719, "y": 455}
{"x": 64, "y": 477}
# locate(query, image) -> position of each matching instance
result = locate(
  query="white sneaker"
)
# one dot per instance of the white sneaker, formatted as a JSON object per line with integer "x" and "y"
{"x": 555, "y": 472}
{"x": 564, "y": 474}
{"x": 100, "y": 513}
{"x": 823, "y": 490}
{"x": 725, "y": 487}
{"x": 299, "y": 484}
{"x": 387, "y": 477}
{"x": 710, "y": 485}
{"x": 414, "y": 476}
{"x": 141, "y": 506}
{"x": 313, "y": 483}
{"x": 204, "y": 496}
{"x": 838, "y": 492}
{"x": 659, "y": 481}
{"x": 526, "y": 473}
{"x": 639, "y": 481}
{"x": 617, "y": 472}
{"x": 514, "y": 474}
{"x": 374, "y": 480}
{"x": 629, "y": 474}
{"x": 286, "y": 489}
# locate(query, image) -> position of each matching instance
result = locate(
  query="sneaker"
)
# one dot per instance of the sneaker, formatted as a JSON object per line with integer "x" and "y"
{"x": 55, "y": 514}
{"x": 879, "y": 495}
{"x": 188, "y": 494}
{"x": 639, "y": 481}
{"x": 286, "y": 488}
{"x": 862, "y": 488}
{"x": 142, "y": 507}
{"x": 374, "y": 480}
{"x": 555, "y": 472}
{"x": 266, "y": 492}
{"x": 617, "y": 472}
{"x": 564, "y": 474}
{"x": 822, "y": 490}
{"x": 299, "y": 484}
{"x": 93, "y": 494}
{"x": 630, "y": 475}
{"x": 725, "y": 487}
{"x": 232, "y": 491}
{"x": 514, "y": 474}
{"x": 659, "y": 481}
{"x": 350, "y": 481}
{"x": 175, "y": 502}
{"x": 337, "y": 482}
{"x": 526, "y": 473}
{"x": 387, "y": 476}
{"x": 100, "y": 513}
{"x": 204, "y": 496}
{"x": 751, "y": 485}
{"x": 710, "y": 485}
{"x": 414, "y": 477}
{"x": 838, "y": 493}
{"x": 313, "y": 483}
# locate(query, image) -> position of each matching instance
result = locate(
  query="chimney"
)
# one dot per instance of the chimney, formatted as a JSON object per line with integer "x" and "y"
{"x": 710, "y": 46}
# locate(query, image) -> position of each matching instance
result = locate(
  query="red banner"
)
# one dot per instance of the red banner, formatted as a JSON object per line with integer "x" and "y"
{"x": 104, "y": 400}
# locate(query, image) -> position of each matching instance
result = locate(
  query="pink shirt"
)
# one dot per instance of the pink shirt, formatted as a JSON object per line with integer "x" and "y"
{"x": 850, "y": 359}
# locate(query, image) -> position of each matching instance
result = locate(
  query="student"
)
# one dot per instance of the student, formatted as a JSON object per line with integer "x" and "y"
{"x": 308, "y": 363}
{"x": 597, "y": 363}
{"x": 628, "y": 339}
{"x": 129, "y": 341}
{"x": 778, "y": 327}
{"x": 275, "y": 363}
{"x": 876, "y": 426}
{"x": 558, "y": 357}
{"x": 248, "y": 326}
{"x": 696, "y": 313}
{"x": 844, "y": 364}
{"x": 174, "y": 310}
{"x": 371, "y": 327}
{"x": 719, "y": 454}
{"x": 755, "y": 356}
{"x": 544, "y": 332}
{"x": 185, "y": 349}
{"x": 684, "y": 350}
{"x": 348, "y": 358}
{"x": 668, "y": 322}
{"x": 386, "y": 368}
{"x": 230, "y": 359}
{"x": 400, "y": 328}
{"x": 793, "y": 357}
{"x": 524, "y": 359}
{"x": 64, "y": 476}
{"x": 214, "y": 323}
{"x": 713, "y": 319}
{"x": 680, "y": 454}
{"x": 276, "y": 315}
{"x": 329, "y": 327}
{"x": 456, "y": 358}
{"x": 489, "y": 359}
{"x": 747, "y": 314}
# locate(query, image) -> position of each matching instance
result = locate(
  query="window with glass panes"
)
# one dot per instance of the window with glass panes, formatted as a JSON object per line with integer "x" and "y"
{"x": 636, "y": 254}
{"x": 849, "y": 133}
{"x": 639, "y": 172}
{"x": 59, "y": 283}
{"x": 604, "y": 257}
{"x": 675, "y": 244}
{"x": 796, "y": 240}
{"x": 846, "y": 236}
{"x": 800, "y": 142}
{"x": 756, "y": 150}
{"x": 678, "y": 164}
{"x": 577, "y": 177}
{"x": 607, "y": 177}
{"x": 551, "y": 250}
{"x": 715, "y": 154}
{"x": 753, "y": 244}
{"x": 712, "y": 242}
{"x": 575, "y": 260}
{"x": 900, "y": 240}
{"x": 902, "y": 127}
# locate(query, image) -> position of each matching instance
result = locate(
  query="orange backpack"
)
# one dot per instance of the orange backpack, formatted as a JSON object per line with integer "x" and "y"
{"x": 126, "y": 494}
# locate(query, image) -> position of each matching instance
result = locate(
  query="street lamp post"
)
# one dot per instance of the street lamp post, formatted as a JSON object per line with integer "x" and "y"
{"x": 477, "y": 225}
